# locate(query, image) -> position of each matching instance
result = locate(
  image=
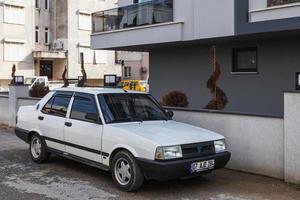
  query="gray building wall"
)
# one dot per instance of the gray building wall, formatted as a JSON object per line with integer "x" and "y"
{"x": 188, "y": 68}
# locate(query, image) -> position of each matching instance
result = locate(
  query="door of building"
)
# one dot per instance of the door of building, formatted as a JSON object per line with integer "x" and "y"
{"x": 46, "y": 68}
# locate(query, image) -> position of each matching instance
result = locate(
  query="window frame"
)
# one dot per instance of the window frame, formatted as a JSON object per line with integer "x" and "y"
{"x": 7, "y": 9}
{"x": 58, "y": 94}
{"x": 37, "y": 35}
{"x": 46, "y": 6}
{"x": 7, "y": 45}
{"x": 93, "y": 99}
{"x": 235, "y": 68}
{"x": 47, "y": 36}
{"x": 38, "y": 4}
{"x": 130, "y": 71}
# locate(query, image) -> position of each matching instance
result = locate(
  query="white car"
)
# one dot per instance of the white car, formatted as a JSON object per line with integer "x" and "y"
{"x": 128, "y": 133}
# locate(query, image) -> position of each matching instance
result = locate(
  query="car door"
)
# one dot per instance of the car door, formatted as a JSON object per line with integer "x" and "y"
{"x": 83, "y": 128}
{"x": 52, "y": 120}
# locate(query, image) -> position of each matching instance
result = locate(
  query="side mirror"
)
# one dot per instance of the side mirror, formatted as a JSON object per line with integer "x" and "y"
{"x": 170, "y": 114}
{"x": 92, "y": 117}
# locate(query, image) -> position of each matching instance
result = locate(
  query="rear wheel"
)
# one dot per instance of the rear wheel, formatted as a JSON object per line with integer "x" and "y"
{"x": 126, "y": 173}
{"x": 37, "y": 149}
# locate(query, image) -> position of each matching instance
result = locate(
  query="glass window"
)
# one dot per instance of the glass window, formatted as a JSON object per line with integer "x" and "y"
{"x": 245, "y": 60}
{"x": 14, "y": 51}
{"x": 84, "y": 109}
{"x": 47, "y": 107}
{"x": 84, "y": 22}
{"x": 46, "y": 35}
{"x": 37, "y": 29}
{"x": 46, "y": 4}
{"x": 14, "y": 14}
{"x": 57, "y": 106}
{"x": 130, "y": 107}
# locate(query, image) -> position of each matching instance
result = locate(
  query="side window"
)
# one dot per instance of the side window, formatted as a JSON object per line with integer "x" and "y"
{"x": 47, "y": 107}
{"x": 57, "y": 106}
{"x": 84, "y": 109}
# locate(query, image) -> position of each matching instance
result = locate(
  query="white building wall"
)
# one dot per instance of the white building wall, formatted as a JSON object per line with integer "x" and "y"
{"x": 78, "y": 37}
{"x": 23, "y": 32}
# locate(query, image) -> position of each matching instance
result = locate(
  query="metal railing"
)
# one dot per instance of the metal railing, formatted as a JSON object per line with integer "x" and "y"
{"x": 147, "y": 13}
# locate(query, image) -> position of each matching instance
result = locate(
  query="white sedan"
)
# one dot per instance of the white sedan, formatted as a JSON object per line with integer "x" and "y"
{"x": 127, "y": 133}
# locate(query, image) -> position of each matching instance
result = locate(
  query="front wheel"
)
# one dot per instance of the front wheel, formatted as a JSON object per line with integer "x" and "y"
{"x": 126, "y": 173}
{"x": 37, "y": 148}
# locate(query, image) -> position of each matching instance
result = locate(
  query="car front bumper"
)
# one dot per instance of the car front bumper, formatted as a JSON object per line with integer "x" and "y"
{"x": 167, "y": 170}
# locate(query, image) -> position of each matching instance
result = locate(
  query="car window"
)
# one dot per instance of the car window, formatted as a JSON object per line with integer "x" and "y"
{"x": 57, "y": 105}
{"x": 84, "y": 109}
{"x": 130, "y": 107}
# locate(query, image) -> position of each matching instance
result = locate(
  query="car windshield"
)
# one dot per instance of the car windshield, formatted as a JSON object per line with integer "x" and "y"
{"x": 118, "y": 108}
{"x": 29, "y": 81}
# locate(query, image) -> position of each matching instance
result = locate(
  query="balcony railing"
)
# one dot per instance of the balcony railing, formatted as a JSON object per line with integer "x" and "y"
{"x": 147, "y": 13}
{"x": 280, "y": 2}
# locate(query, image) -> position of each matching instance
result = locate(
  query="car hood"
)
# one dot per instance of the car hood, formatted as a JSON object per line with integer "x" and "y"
{"x": 166, "y": 133}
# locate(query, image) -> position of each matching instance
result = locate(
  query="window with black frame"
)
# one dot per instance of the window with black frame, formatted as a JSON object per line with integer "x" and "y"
{"x": 57, "y": 105}
{"x": 244, "y": 60}
{"x": 84, "y": 109}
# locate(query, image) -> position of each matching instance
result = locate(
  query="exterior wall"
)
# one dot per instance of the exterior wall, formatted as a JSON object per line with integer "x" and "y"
{"x": 139, "y": 63}
{"x": 27, "y": 101}
{"x": 187, "y": 69}
{"x": 292, "y": 137}
{"x": 4, "y": 118}
{"x": 76, "y": 36}
{"x": 256, "y": 143}
{"x": 20, "y": 32}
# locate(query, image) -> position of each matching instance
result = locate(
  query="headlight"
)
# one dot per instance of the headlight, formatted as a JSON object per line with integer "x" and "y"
{"x": 168, "y": 153}
{"x": 220, "y": 146}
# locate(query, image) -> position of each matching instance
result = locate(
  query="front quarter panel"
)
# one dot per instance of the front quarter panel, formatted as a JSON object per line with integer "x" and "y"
{"x": 115, "y": 138}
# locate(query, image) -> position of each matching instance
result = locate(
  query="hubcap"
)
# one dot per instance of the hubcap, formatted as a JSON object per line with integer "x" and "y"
{"x": 122, "y": 171}
{"x": 36, "y": 147}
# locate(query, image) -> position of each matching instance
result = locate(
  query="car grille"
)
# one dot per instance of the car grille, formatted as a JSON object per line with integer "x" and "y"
{"x": 198, "y": 149}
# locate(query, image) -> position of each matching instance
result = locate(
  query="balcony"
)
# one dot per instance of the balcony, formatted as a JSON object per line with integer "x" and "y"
{"x": 139, "y": 27}
{"x": 281, "y": 2}
{"x": 148, "y": 13}
{"x": 266, "y": 10}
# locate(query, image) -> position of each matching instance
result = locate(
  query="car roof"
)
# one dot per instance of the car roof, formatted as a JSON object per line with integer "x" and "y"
{"x": 96, "y": 90}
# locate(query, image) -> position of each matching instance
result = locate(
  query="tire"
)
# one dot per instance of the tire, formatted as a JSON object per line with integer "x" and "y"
{"x": 130, "y": 166}
{"x": 38, "y": 153}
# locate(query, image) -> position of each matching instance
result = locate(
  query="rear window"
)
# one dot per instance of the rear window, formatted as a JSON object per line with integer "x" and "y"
{"x": 57, "y": 105}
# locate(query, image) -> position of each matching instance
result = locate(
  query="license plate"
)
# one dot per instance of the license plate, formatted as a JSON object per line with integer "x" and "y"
{"x": 202, "y": 166}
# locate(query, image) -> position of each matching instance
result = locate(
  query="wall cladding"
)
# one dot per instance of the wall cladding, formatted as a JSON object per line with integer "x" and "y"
{"x": 281, "y": 2}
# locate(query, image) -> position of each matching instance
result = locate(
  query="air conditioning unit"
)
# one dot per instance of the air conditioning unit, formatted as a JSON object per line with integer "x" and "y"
{"x": 58, "y": 45}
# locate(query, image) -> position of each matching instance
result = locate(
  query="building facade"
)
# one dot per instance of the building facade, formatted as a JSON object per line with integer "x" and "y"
{"x": 42, "y": 37}
{"x": 135, "y": 65}
{"x": 256, "y": 43}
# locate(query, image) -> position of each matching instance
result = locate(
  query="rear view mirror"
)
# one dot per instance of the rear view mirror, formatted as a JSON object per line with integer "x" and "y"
{"x": 170, "y": 114}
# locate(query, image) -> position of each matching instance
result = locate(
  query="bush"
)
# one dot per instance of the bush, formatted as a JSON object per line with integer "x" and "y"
{"x": 39, "y": 90}
{"x": 175, "y": 99}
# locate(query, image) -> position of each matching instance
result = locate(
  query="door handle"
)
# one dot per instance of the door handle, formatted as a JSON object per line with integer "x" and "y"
{"x": 68, "y": 124}
{"x": 41, "y": 118}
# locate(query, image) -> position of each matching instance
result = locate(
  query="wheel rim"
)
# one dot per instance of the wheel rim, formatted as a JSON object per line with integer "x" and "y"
{"x": 122, "y": 171}
{"x": 36, "y": 147}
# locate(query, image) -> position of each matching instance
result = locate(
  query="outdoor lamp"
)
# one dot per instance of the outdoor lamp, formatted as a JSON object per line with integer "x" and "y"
{"x": 19, "y": 80}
